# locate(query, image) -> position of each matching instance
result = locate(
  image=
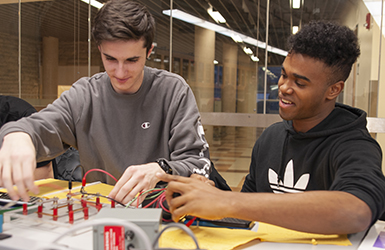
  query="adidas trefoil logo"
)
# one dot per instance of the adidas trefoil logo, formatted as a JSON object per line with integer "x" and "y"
{"x": 288, "y": 186}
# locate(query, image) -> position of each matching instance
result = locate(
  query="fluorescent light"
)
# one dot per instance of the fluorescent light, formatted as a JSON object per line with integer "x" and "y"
{"x": 296, "y": 4}
{"x": 294, "y": 29}
{"x": 215, "y": 62}
{"x": 254, "y": 58}
{"x": 216, "y": 15}
{"x": 247, "y": 50}
{"x": 94, "y": 3}
{"x": 178, "y": 14}
{"x": 236, "y": 38}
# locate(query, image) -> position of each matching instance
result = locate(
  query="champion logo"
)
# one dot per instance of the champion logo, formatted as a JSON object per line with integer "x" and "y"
{"x": 146, "y": 125}
{"x": 288, "y": 186}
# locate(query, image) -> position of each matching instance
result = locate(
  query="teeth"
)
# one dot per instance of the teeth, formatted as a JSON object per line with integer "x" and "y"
{"x": 286, "y": 102}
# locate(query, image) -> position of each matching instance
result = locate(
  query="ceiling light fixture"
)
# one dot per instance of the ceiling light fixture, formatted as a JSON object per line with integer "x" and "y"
{"x": 254, "y": 58}
{"x": 247, "y": 50}
{"x": 296, "y": 4}
{"x": 294, "y": 29}
{"x": 216, "y": 15}
{"x": 178, "y": 14}
{"x": 94, "y": 3}
{"x": 236, "y": 38}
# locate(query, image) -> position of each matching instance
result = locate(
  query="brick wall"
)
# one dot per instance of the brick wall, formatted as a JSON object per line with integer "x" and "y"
{"x": 31, "y": 63}
{"x": 9, "y": 66}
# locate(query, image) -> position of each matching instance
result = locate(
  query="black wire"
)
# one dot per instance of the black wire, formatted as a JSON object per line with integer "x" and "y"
{"x": 72, "y": 172}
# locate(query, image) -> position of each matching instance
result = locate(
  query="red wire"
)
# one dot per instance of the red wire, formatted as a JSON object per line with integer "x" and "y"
{"x": 161, "y": 203}
{"x": 152, "y": 191}
{"x": 190, "y": 222}
{"x": 152, "y": 202}
{"x": 99, "y": 170}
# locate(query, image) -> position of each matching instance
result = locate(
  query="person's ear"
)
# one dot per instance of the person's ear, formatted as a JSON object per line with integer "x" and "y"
{"x": 150, "y": 50}
{"x": 334, "y": 90}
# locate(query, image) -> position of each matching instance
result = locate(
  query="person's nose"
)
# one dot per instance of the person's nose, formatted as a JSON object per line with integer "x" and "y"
{"x": 121, "y": 70}
{"x": 285, "y": 86}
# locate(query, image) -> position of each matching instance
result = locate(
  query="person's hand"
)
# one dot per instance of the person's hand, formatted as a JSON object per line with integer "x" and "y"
{"x": 17, "y": 165}
{"x": 202, "y": 178}
{"x": 135, "y": 179}
{"x": 195, "y": 199}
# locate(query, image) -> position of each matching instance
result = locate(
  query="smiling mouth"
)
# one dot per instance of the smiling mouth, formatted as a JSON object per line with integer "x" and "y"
{"x": 286, "y": 101}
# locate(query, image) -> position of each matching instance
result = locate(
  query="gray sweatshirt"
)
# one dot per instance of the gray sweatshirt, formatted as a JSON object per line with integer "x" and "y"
{"x": 113, "y": 131}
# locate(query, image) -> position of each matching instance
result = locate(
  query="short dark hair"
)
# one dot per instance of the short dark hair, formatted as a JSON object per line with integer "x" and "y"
{"x": 124, "y": 20}
{"x": 336, "y": 46}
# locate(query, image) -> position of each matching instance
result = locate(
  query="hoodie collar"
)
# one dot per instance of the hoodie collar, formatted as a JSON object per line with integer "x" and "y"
{"x": 342, "y": 118}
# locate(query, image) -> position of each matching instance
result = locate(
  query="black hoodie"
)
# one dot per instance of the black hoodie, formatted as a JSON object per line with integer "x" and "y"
{"x": 337, "y": 154}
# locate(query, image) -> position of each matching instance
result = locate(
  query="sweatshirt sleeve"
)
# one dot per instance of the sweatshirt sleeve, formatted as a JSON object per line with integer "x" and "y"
{"x": 358, "y": 171}
{"x": 51, "y": 129}
{"x": 187, "y": 143}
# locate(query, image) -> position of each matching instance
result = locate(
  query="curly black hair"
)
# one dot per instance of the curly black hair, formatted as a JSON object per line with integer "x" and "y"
{"x": 336, "y": 46}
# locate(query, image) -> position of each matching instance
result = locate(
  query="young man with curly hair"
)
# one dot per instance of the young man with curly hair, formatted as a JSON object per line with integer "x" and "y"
{"x": 131, "y": 120}
{"x": 317, "y": 171}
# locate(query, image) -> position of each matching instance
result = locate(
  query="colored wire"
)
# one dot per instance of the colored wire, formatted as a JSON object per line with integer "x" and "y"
{"x": 154, "y": 196}
{"x": 188, "y": 224}
{"x": 71, "y": 175}
{"x": 152, "y": 202}
{"x": 142, "y": 193}
{"x": 180, "y": 226}
{"x": 99, "y": 170}
{"x": 137, "y": 199}
{"x": 82, "y": 191}
{"x": 163, "y": 197}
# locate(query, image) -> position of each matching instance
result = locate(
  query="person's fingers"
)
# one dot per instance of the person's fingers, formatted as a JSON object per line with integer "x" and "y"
{"x": 8, "y": 181}
{"x": 28, "y": 176}
{"x": 180, "y": 212}
{"x": 172, "y": 189}
{"x": 124, "y": 191}
{"x": 1, "y": 176}
{"x": 121, "y": 184}
{"x": 168, "y": 178}
{"x": 198, "y": 177}
{"x": 18, "y": 160}
{"x": 131, "y": 195}
{"x": 20, "y": 181}
{"x": 202, "y": 178}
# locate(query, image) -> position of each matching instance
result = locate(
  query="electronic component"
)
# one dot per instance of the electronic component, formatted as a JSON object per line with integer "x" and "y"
{"x": 148, "y": 219}
{"x": 5, "y": 198}
{"x": 226, "y": 222}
